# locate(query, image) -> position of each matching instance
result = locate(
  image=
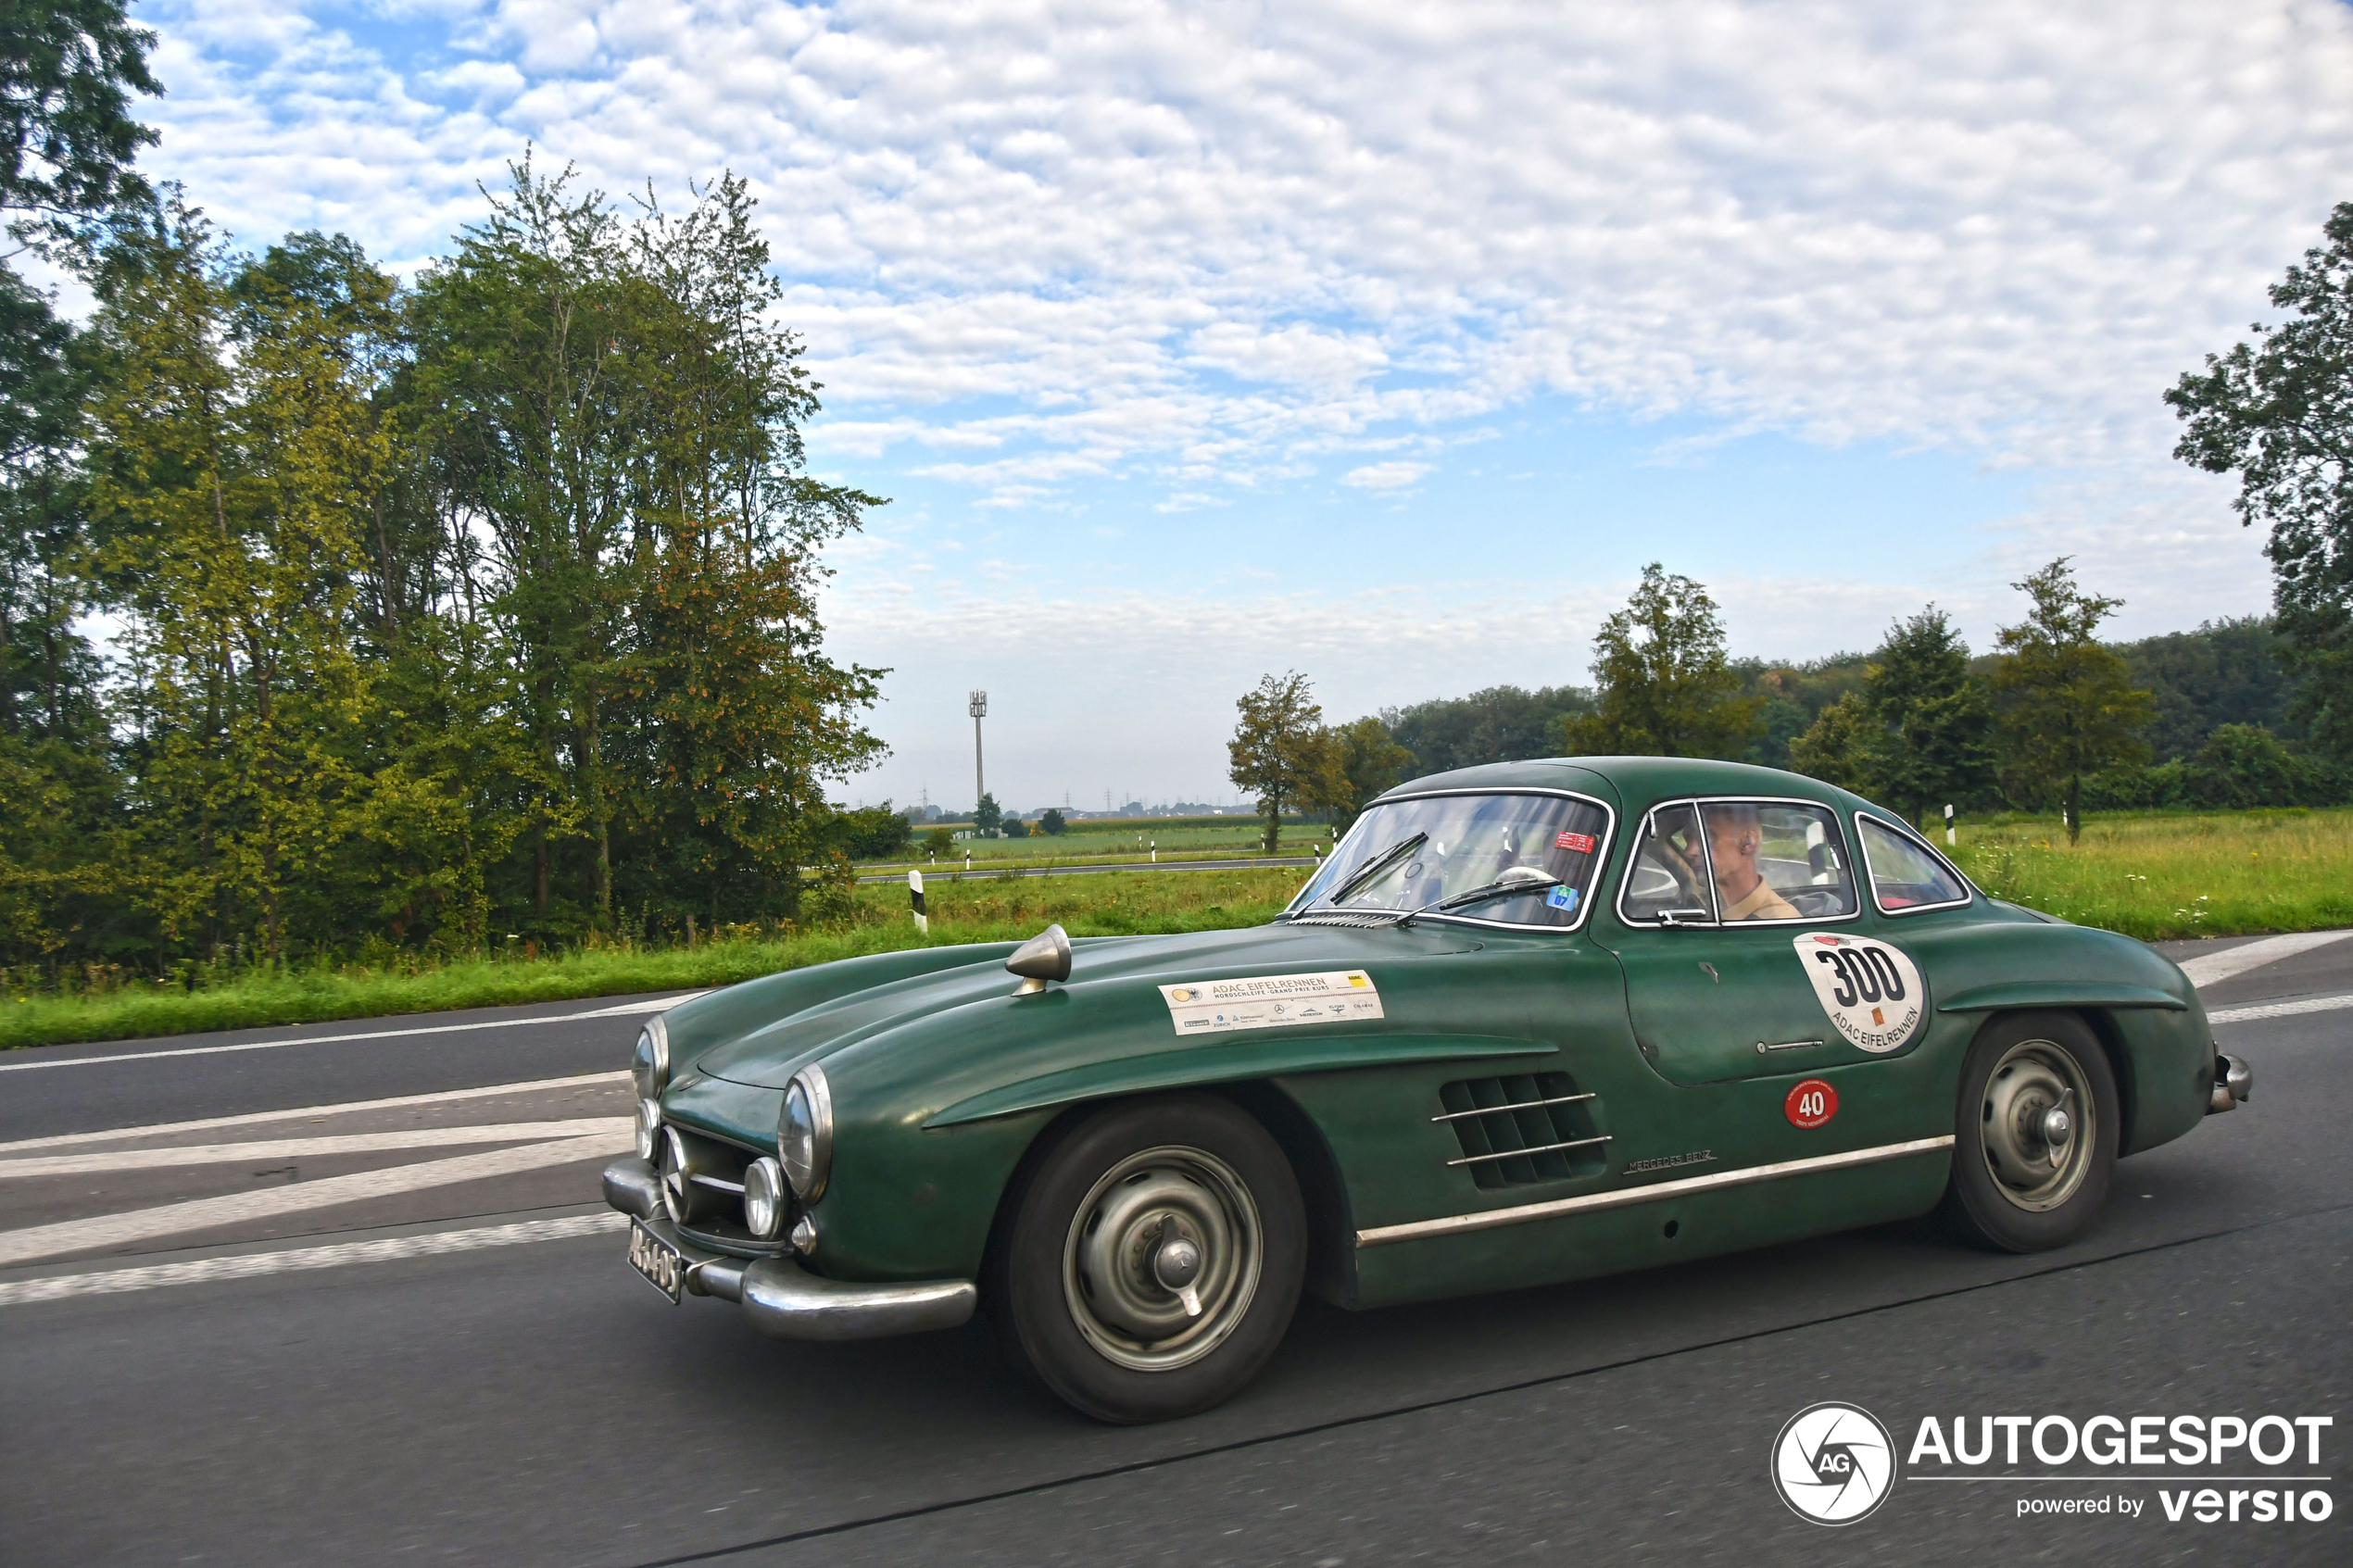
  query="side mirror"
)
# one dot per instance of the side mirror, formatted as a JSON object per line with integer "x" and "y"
{"x": 1044, "y": 957}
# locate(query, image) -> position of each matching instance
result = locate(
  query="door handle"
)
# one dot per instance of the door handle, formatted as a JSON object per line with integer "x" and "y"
{"x": 1787, "y": 1045}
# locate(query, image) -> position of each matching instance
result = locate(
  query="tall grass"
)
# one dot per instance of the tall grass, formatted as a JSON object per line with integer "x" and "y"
{"x": 2166, "y": 874}
{"x": 976, "y": 909}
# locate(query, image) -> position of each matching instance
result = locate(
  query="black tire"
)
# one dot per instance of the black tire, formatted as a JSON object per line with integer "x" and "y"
{"x": 1074, "y": 1302}
{"x": 2010, "y": 1190}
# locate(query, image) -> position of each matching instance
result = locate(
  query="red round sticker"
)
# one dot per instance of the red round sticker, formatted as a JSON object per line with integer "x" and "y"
{"x": 1811, "y": 1103}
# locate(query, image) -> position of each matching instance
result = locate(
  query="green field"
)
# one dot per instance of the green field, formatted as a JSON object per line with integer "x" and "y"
{"x": 979, "y": 908}
{"x": 2161, "y": 874}
{"x": 2153, "y": 876}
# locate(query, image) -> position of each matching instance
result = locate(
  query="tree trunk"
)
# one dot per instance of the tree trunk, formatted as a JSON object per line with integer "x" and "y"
{"x": 2074, "y": 807}
{"x": 1274, "y": 834}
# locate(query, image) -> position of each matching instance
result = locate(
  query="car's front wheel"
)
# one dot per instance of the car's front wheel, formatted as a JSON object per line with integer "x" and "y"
{"x": 2034, "y": 1149}
{"x": 1153, "y": 1259}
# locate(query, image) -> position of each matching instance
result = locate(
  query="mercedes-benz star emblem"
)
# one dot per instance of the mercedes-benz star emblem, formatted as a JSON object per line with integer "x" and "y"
{"x": 1834, "y": 1463}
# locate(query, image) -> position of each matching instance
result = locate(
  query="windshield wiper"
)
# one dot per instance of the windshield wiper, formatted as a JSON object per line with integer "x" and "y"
{"x": 1373, "y": 867}
{"x": 1501, "y": 888}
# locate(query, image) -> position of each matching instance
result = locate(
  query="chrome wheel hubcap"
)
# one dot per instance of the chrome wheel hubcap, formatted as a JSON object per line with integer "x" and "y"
{"x": 2036, "y": 1125}
{"x": 1163, "y": 1257}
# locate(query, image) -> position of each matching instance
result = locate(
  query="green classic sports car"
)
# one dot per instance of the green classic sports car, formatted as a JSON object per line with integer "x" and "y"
{"x": 1528, "y": 1023}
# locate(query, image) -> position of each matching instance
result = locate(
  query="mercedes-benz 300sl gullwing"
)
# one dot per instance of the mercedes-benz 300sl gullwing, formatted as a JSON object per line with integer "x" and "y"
{"x": 1528, "y": 1023}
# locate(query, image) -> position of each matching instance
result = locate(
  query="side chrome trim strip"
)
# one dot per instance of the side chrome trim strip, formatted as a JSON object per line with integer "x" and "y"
{"x": 1491, "y": 1219}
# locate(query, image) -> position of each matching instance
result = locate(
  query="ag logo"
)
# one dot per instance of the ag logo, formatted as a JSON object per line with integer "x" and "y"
{"x": 1871, "y": 990}
{"x": 1834, "y": 1463}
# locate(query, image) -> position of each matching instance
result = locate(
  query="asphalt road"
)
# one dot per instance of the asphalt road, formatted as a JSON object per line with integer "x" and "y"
{"x": 531, "y": 1403}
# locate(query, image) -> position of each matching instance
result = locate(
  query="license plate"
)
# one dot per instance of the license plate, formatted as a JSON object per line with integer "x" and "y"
{"x": 662, "y": 1265}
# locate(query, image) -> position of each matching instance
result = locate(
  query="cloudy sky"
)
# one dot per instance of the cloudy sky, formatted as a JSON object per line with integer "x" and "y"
{"x": 1385, "y": 342}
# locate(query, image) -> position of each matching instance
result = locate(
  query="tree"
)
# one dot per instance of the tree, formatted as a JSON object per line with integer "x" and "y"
{"x": 1283, "y": 754}
{"x": 1500, "y": 724}
{"x": 939, "y": 842}
{"x": 987, "y": 816}
{"x": 1666, "y": 689}
{"x": 233, "y": 457}
{"x": 2279, "y": 412}
{"x": 1370, "y": 761}
{"x": 2066, "y": 703}
{"x": 1921, "y": 732}
{"x": 68, "y": 69}
{"x": 1052, "y": 824}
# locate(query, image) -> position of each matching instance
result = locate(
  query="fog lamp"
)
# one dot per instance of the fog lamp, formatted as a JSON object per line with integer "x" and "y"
{"x": 764, "y": 1198}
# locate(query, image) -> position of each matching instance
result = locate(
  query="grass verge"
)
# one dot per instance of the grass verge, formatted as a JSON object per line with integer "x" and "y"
{"x": 977, "y": 909}
{"x": 2169, "y": 874}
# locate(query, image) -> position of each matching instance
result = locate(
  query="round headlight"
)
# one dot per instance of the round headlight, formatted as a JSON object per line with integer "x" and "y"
{"x": 649, "y": 1128}
{"x": 805, "y": 1132}
{"x": 764, "y": 1198}
{"x": 649, "y": 1064}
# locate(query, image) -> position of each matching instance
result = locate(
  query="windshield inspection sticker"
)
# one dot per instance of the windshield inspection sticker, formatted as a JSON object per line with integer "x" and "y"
{"x": 1871, "y": 990}
{"x": 1271, "y": 1001}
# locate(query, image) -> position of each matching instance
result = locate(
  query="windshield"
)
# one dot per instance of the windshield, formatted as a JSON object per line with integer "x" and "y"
{"x": 1468, "y": 840}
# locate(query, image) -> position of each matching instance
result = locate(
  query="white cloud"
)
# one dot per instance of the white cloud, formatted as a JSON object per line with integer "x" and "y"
{"x": 1203, "y": 250}
{"x": 1384, "y": 476}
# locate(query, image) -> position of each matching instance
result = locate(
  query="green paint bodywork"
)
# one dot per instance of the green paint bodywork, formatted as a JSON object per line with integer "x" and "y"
{"x": 942, "y": 1077}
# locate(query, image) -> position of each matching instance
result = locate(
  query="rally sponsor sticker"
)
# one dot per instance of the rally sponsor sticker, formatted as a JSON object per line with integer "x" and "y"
{"x": 1870, "y": 989}
{"x": 1271, "y": 1001}
{"x": 1811, "y": 1104}
{"x": 1575, "y": 843}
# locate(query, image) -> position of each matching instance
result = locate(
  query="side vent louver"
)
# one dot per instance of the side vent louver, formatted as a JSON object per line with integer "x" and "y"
{"x": 1531, "y": 1127}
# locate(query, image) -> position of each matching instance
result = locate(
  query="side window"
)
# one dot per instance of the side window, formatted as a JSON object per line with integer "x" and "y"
{"x": 1904, "y": 874}
{"x": 1668, "y": 875}
{"x": 1772, "y": 860}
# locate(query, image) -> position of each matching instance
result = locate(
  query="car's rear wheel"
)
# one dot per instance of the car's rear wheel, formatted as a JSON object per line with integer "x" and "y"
{"x": 1153, "y": 1259}
{"x": 2034, "y": 1147}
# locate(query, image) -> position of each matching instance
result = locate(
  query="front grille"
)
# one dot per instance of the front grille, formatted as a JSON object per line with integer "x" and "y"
{"x": 1527, "y": 1127}
{"x": 705, "y": 1197}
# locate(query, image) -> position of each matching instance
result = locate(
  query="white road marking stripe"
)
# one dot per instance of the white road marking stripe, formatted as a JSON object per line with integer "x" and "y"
{"x": 626, "y": 1008}
{"x": 2279, "y": 1009}
{"x": 254, "y": 1265}
{"x": 618, "y": 1128}
{"x": 2212, "y": 969}
{"x": 204, "y": 1213}
{"x": 254, "y": 1118}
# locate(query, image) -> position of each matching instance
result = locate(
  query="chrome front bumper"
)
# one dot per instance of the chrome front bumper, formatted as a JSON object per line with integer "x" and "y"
{"x": 783, "y": 1299}
{"x": 2234, "y": 1081}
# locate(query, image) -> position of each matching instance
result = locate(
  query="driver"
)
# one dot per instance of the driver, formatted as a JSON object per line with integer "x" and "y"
{"x": 1734, "y": 834}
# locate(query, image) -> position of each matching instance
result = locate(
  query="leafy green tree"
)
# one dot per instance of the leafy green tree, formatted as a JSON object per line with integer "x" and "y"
{"x": 987, "y": 816}
{"x": 939, "y": 842}
{"x": 68, "y": 69}
{"x": 2279, "y": 412}
{"x": 1283, "y": 754}
{"x": 1370, "y": 762}
{"x": 231, "y": 457}
{"x": 2066, "y": 703}
{"x": 1052, "y": 823}
{"x": 1842, "y": 746}
{"x": 1920, "y": 733}
{"x": 1667, "y": 688}
{"x": 1500, "y": 724}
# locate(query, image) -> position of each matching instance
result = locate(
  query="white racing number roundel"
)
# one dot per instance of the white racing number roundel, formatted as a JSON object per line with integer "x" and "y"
{"x": 1871, "y": 990}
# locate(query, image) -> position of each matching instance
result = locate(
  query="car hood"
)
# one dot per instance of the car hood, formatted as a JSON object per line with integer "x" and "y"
{"x": 966, "y": 998}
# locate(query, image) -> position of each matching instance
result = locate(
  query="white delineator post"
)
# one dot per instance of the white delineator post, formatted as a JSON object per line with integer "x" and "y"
{"x": 1949, "y": 840}
{"x": 915, "y": 892}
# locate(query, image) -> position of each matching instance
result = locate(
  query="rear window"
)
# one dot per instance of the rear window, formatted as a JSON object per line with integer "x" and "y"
{"x": 1906, "y": 873}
